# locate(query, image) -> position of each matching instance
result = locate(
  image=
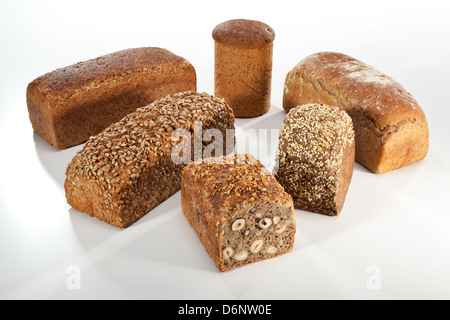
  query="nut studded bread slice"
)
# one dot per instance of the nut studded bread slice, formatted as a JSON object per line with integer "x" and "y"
{"x": 316, "y": 155}
{"x": 240, "y": 212}
{"x": 390, "y": 126}
{"x": 129, "y": 168}
{"x": 70, "y": 104}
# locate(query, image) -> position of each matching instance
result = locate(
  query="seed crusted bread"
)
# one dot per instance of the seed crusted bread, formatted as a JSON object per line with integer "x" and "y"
{"x": 390, "y": 127}
{"x": 125, "y": 171}
{"x": 70, "y": 104}
{"x": 316, "y": 155}
{"x": 239, "y": 211}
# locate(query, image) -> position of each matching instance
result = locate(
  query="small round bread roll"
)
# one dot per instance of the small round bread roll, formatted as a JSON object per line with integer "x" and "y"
{"x": 243, "y": 66}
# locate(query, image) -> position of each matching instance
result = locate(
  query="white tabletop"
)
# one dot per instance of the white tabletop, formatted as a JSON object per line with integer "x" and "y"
{"x": 391, "y": 241}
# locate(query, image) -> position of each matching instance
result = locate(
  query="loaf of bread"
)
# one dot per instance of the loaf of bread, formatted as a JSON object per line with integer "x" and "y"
{"x": 133, "y": 165}
{"x": 316, "y": 155}
{"x": 243, "y": 65}
{"x": 239, "y": 211}
{"x": 70, "y": 104}
{"x": 390, "y": 126}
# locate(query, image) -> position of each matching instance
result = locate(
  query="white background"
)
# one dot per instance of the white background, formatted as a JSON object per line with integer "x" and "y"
{"x": 397, "y": 224}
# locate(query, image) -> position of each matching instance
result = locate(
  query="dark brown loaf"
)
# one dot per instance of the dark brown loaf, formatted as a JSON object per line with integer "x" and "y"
{"x": 316, "y": 156}
{"x": 70, "y": 104}
{"x": 390, "y": 126}
{"x": 243, "y": 65}
{"x": 128, "y": 169}
{"x": 240, "y": 212}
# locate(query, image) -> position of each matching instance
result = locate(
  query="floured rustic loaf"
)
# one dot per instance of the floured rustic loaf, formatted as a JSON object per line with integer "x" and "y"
{"x": 390, "y": 126}
{"x": 129, "y": 168}
{"x": 316, "y": 155}
{"x": 243, "y": 52}
{"x": 70, "y": 104}
{"x": 240, "y": 212}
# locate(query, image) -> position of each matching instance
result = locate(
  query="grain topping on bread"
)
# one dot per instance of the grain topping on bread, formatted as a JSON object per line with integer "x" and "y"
{"x": 127, "y": 170}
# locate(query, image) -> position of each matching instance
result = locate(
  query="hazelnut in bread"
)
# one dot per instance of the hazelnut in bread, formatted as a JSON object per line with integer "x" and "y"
{"x": 316, "y": 155}
{"x": 129, "y": 168}
{"x": 243, "y": 65}
{"x": 390, "y": 126}
{"x": 239, "y": 211}
{"x": 70, "y": 104}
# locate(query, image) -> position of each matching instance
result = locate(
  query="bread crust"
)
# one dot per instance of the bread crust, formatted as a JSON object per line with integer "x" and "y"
{"x": 128, "y": 169}
{"x": 391, "y": 128}
{"x": 244, "y": 33}
{"x": 316, "y": 156}
{"x": 214, "y": 192}
{"x": 243, "y": 54}
{"x": 70, "y": 104}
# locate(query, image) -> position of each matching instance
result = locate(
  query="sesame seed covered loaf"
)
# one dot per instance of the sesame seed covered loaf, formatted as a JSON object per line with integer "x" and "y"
{"x": 70, "y": 104}
{"x": 240, "y": 212}
{"x": 390, "y": 127}
{"x": 243, "y": 51}
{"x": 128, "y": 169}
{"x": 316, "y": 156}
